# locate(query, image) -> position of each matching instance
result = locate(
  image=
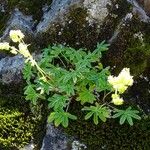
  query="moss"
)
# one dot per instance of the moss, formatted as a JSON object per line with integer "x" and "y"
{"x": 136, "y": 58}
{"x": 33, "y": 7}
{"x": 15, "y": 129}
{"x": 110, "y": 135}
{"x": 128, "y": 51}
{"x": 20, "y": 119}
{"x": 76, "y": 33}
{"x": 122, "y": 7}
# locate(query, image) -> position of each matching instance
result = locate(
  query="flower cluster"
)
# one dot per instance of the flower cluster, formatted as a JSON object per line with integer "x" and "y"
{"x": 120, "y": 84}
{"x": 17, "y": 37}
{"x": 4, "y": 46}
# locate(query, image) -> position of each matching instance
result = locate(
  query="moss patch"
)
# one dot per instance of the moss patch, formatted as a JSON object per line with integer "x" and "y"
{"x": 20, "y": 122}
{"x": 76, "y": 32}
{"x": 110, "y": 135}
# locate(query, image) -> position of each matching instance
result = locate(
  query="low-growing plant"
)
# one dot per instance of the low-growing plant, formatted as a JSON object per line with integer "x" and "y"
{"x": 65, "y": 75}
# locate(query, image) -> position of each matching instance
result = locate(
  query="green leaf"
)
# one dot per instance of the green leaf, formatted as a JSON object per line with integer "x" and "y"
{"x": 88, "y": 115}
{"x": 86, "y": 97}
{"x": 122, "y": 119}
{"x": 31, "y": 94}
{"x": 58, "y": 102}
{"x": 101, "y": 82}
{"x": 95, "y": 119}
{"x": 27, "y": 71}
{"x": 98, "y": 112}
{"x": 67, "y": 88}
{"x": 61, "y": 117}
{"x": 126, "y": 115}
{"x": 73, "y": 117}
{"x": 102, "y": 47}
{"x": 51, "y": 117}
{"x": 102, "y": 117}
{"x": 130, "y": 121}
{"x": 65, "y": 121}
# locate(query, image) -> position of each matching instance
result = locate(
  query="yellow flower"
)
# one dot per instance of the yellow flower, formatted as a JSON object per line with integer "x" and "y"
{"x": 125, "y": 77}
{"x": 13, "y": 50}
{"x": 4, "y": 46}
{"x": 116, "y": 99}
{"x": 23, "y": 49}
{"x": 121, "y": 82}
{"x": 16, "y": 35}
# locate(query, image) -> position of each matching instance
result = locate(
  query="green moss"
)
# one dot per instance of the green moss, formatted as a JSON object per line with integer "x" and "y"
{"x": 29, "y": 7}
{"x": 128, "y": 51}
{"x": 76, "y": 33}
{"x": 15, "y": 129}
{"x": 137, "y": 58}
{"x": 110, "y": 135}
{"x": 20, "y": 119}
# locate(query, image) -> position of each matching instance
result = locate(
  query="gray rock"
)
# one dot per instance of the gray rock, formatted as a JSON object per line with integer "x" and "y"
{"x": 20, "y": 22}
{"x": 66, "y": 21}
{"x": 97, "y": 10}
{"x": 28, "y": 147}
{"x": 54, "y": 139}
{"x": 2, "y": 6}
{"x": 10, "y": 69}
{"x": 56, "y": 13}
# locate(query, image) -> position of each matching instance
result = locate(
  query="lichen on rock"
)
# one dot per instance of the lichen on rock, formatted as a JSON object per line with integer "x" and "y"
{"x": 97, "y": 10}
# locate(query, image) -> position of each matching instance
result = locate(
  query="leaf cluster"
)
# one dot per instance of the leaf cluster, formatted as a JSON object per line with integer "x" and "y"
{"x": 70, "y": 75}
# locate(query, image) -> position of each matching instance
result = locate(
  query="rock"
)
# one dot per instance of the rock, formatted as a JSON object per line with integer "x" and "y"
{"x": 97, "y": 10}
{"x": 69, "y": 22}
{"x": 20, "y": 22}
{"x": 54, "y": 139}
{"x": 10, "y": 69}
{"x": 28, "y": 147}
{"x": 147, "y": 6}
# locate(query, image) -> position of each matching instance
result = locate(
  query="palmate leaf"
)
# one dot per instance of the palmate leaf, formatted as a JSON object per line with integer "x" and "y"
{"x": 101, "y": 82}
{"x": 67, "y": 88}
{"x": 86, "y": 96}
{"x": 102, "y": 47}
{"x": 126, "y": 115}
{"x": 61, "y": 117}
{"x": 98, "y": 112}
{"x": 31, "y": 94}
{"x": 27, "y": 71}
{"x": 58, "y": 102}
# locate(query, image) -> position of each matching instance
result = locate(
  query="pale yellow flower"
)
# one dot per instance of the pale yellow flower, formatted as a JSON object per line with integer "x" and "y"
{"x": 116, "y": 99}
{"x": 23, "y": 49}
{"x": 13, "y": 50}
{"x": 125, "y": 77}
{"x": 16, "y": 35}
{"x": 121, "y": 82}
{"x": 4, "y": 46}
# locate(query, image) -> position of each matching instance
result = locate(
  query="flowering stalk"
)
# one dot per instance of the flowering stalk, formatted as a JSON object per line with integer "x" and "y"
{"x": 17, "y": 37}
{"x": 120, "y": 85}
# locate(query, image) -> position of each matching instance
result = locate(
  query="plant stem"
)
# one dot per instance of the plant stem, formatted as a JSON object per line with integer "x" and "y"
{"x": 105, "y": 95}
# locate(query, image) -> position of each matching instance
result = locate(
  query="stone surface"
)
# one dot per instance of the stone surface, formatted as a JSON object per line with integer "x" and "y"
{"x": 18, "y": 21}
{"x": 97, "y": 10}
{"x": 10, "y": 69}
{"x": 59, "y": 9}
{"x": 54, "y": 139}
